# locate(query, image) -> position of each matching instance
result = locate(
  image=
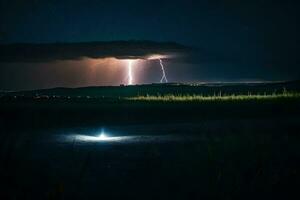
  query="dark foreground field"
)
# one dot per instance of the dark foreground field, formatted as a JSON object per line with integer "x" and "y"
{"x": 226, "y": 149}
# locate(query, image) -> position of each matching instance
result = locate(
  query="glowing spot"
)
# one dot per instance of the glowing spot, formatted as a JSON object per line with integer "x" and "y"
{"x": 163, "y": 71}
{"x": 87, "y": 138}
{"x": 157, "y": 56}
{"x": 102, "y": 136}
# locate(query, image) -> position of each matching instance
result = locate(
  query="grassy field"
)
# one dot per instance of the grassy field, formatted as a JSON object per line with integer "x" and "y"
{"x": 149, "y": 104}
{"x": 220, "y": 97}
{"x": 208, "y": 89}
{"x": 244, "y": 142}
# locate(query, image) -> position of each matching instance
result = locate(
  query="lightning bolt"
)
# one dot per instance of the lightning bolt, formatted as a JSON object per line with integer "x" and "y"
{"x": 163, "y": 72}
{"x": 130, "y": 78}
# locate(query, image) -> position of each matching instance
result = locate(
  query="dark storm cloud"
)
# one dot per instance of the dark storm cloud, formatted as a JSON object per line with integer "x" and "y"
{"x": 47, "y": 52}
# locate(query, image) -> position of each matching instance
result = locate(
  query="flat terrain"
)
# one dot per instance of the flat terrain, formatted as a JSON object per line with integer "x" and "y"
{"x": 227, "y": 141}
{"x": 148, "y": 104}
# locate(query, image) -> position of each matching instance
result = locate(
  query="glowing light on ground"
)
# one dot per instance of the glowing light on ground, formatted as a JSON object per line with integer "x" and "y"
{"x": 103, "y": 136}
{"x": 85, "y": 139}
{"x": 100, "y": 138}
{"x": 163, "y": 72}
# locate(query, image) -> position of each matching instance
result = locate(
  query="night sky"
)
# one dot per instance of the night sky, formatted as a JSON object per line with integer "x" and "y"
{"x": 236, "y": 40}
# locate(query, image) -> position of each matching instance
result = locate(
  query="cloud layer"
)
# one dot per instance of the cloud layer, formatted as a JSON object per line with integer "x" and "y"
{"x": 47, "y": 52}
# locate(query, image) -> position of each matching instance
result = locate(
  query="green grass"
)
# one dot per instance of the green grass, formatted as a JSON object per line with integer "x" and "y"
{"x": 219, "y": 97}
